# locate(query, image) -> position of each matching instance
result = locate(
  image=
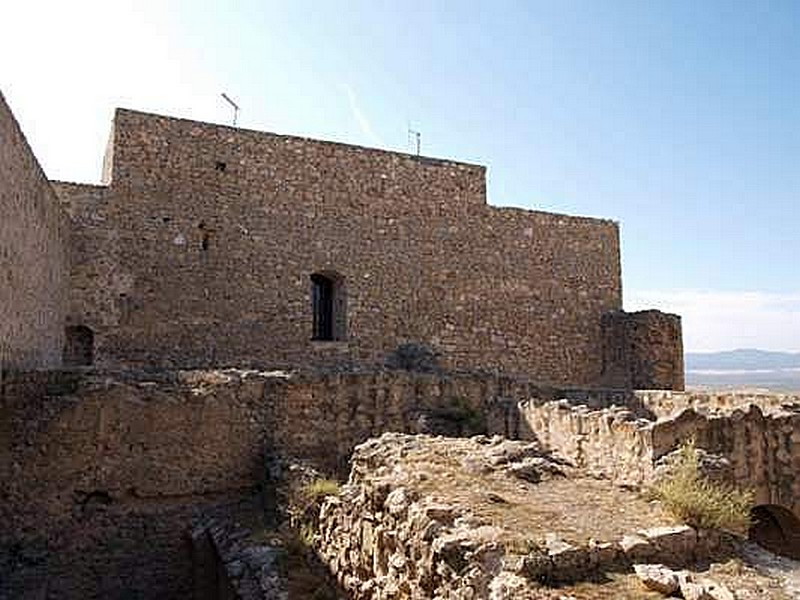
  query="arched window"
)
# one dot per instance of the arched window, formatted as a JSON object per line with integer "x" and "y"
{"x": 329, "y": 307}
{"x": 78, "y": 346}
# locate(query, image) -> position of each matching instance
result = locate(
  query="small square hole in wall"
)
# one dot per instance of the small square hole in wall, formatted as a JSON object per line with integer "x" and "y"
{"x": 221, "y": 166}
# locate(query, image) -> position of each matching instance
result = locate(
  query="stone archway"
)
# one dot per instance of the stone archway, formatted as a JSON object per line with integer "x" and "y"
{"x": 777, "y": 529}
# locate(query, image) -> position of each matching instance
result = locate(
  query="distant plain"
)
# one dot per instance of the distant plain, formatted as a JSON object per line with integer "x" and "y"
{"x": 745, "y": 369}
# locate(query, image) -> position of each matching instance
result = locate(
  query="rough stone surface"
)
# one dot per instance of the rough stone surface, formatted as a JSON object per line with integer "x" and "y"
{"x": 419, "y": 256}
{"x": 104, "y": 471}
{"x": 102, "y": 461}
{"x": 752, "y": 447}
{"x": 700, "y": 588}
{"x": 381, "y": 537}
{"x": 642, "y": 350}
{"x": 658, "y": 578}
{"x": 394, "y": 530}
{"x": 664, "y": 580}
{"x": 241, "y": 571}
{"x": 34, "y": 238}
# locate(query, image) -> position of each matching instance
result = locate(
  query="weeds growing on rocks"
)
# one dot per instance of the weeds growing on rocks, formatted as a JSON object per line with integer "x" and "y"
{"x": 319, "y": 488}
{"x": 699, "y": 501}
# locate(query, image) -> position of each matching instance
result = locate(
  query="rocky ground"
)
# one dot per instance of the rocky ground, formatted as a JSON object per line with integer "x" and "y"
{"x": 434, "y": 517}
{"x": 484, "y": 517}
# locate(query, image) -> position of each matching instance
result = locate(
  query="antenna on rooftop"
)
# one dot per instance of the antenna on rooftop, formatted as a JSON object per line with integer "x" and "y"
{"x": 417, "y": 136}
{"x": 234, "y": 105}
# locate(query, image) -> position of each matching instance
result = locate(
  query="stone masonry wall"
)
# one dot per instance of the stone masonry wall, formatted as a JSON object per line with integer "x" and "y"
{"x": 104, "y": 473}
{"x": 664, "y": 403}
{"x": 97, "y": 291}
{"x": 33, "y": 261}
{"x": 608, "y": 442}
{"x": 103, "y": 476}
{"x": 763, "y": 448}
{"x": 642, "y": 350}
{"x": 205, "y": 240}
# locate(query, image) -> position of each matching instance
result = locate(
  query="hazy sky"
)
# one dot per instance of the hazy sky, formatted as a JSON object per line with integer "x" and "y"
{"x": 681, "y": 120}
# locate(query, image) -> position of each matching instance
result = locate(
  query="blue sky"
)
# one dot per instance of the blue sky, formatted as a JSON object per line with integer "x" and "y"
{"x": 681, "y": 120}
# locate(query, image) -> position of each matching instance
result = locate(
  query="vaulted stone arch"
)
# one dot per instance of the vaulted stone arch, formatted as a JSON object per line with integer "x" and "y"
{"x": 777, "y": 529}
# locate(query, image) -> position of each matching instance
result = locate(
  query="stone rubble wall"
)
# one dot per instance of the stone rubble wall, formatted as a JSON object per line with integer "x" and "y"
{"x": 382, "y": 537}
{"x": 610, "y": 442}
{"x": 642, "y": 350}
{"x": 664, "y": 403}
{"x": 227, "y": 566}
{"x": 763, "y": 449}
{"x": 105, "y": 471}
{"x": 197, "y": 265}
{"x": 102, "y": 477}
{"x": 325, "y": 415}
{"x": 34, "y": 237}
{"x": 763, "y": 446}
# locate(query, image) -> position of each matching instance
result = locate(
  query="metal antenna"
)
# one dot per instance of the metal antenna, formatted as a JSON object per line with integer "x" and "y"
{"x": 234, "y": 105}
{"x": 417, "y": 135}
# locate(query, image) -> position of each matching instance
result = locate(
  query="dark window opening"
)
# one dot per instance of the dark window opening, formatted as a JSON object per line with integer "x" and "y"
{"x": 221, "y": 166}
{"x": 78, "y": 346}
{"x": 205, "y": 240}
{"x": 328, "y": 307}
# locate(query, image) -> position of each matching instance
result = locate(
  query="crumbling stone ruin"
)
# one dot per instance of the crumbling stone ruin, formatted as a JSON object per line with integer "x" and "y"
{"x": 234, "y": 315}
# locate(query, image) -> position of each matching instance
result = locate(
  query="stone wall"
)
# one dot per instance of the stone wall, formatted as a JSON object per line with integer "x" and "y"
{"x": 33, "y": 262}
{"x": 227, "y": 566}
{"x": 201, "y": 249}
{"x": 608, "y": 442}
{"x": 412, "y": 522}
{"x": 763, "y": 449}
{"x": 97, "y": 290}
{"x": 642, "y": 350}
{"x": 325, "y": 415}
{"x": 763, "y": 446}
{"x": 663, "y": 403}
{"x": 106, "y": 472}
{"x": 103, "y": 476}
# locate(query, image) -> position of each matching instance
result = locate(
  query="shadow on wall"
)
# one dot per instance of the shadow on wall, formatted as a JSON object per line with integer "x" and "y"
{"x": 78, "y": 346}
{"x": 777, "y": 529}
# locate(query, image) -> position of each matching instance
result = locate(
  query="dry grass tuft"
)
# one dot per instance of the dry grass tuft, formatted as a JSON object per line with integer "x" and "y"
{"x": 700, "y": 502}
{"x": 318, "y": 489}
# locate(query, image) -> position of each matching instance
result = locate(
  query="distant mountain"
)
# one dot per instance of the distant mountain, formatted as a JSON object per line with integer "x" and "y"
{"x": 742, "y": 359}
{"x": 745, "y": 368}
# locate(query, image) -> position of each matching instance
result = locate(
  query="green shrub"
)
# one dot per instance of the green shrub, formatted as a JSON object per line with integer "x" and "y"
{"x": 700, "y": 502}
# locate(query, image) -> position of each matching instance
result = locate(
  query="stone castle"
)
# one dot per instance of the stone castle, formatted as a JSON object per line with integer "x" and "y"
{"x": 213, "y": 246}
{"x": 228, "y": 298}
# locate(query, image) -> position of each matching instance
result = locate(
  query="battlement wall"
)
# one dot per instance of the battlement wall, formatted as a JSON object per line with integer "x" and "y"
{"x": 34, "y": 237}
{"x": 213, "y": 234}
